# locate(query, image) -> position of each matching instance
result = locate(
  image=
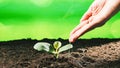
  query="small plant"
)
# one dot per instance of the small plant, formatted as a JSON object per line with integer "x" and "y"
{"x": 55, "y": 49}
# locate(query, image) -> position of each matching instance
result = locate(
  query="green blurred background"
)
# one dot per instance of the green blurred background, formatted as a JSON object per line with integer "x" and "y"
{"x": 38, "y": 19}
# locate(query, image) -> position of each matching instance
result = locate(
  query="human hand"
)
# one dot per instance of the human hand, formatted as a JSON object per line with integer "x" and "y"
{"x": 98, "y": 13}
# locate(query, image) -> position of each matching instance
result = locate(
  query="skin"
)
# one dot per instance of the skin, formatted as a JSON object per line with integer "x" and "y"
{"x": 98, "y": 13}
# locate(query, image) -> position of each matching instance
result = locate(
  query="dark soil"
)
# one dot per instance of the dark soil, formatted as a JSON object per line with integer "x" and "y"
{"x": 87, "y": 53}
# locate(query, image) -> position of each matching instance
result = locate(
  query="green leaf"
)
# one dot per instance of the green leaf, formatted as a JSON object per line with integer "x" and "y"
{"x": 52, "y": 50}
{"x": 57, "y": 44}
{"x": 66, "y": 47}
{"x": 42, "y": 46}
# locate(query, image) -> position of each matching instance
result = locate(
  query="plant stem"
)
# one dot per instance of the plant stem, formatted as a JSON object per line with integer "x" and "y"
{"x": 57, "y": 54}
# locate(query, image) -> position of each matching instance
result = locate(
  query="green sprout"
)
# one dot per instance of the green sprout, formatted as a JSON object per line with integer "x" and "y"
{"x": 55, "y": 49}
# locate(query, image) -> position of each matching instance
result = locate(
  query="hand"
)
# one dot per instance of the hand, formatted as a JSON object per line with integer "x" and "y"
{"x": 98, "y": 13}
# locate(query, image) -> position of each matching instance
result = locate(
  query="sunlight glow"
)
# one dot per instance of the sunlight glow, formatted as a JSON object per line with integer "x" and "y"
{"x": 42, "y": 3}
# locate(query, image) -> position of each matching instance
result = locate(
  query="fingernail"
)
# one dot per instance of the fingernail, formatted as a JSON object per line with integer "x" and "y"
{"x": 71, "y": 39}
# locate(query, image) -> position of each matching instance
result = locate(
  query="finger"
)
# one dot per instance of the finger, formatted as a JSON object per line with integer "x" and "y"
{"x": 75, "y": 33}
{"x": 81, "y": 31}
{"x": 78, "y": 27}
{"x": 84, "y": 21}
{"x": 86, "y": 15}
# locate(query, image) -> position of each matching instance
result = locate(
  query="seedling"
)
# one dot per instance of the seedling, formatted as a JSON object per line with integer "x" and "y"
{"x": 55, "y": 49}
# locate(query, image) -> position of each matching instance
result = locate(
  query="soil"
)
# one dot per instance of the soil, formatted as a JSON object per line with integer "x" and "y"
{"x": 87, "y": 53}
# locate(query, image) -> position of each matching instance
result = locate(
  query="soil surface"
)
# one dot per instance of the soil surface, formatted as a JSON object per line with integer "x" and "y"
{"x": 87, "y": 53}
